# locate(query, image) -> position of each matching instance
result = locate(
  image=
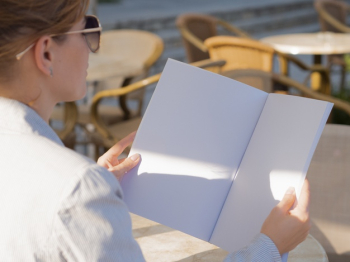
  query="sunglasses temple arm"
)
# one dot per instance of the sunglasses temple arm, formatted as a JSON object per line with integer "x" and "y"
{"x": 19, "y": 56}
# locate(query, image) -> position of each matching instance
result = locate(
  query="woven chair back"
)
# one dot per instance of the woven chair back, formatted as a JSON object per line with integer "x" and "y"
{"x": 336, "y": 9}
{"x": 240, "y": 53}
{"x": 203, "y": 27}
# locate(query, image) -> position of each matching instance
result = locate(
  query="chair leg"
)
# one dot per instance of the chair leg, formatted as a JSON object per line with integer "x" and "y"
{"x": 70, "y": 140}
{"x": 122, "y": 100}
{"x": 97, "y": 152}
{"x": 343, "y": 76}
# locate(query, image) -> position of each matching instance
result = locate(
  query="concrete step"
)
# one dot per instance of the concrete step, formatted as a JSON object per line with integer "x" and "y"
{"x": 128, "y": 10}
{"x": 278, "y": 21}
{"x": 154, "y": 24}
{"x": 293, "y": 30}
{"x": 267, "y": 10}
{"x": 171, "y": 37}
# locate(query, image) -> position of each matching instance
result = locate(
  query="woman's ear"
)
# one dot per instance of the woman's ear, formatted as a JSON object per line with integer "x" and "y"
{"x": 44, "y": 55}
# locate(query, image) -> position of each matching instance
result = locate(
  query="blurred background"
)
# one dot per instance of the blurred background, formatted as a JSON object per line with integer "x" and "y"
{"x": 259, "y": 18}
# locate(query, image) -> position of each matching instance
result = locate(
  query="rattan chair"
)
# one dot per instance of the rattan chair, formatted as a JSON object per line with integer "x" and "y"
{"x": 69, "y": 119}
{"x": 244, "y": 53}
{"x": 106, "y": 136}
{"x": 329, "y": 179}
{"x": 332, "y": 18}
{"x": 195, "y": 28}
{"x": 332, "y": 14}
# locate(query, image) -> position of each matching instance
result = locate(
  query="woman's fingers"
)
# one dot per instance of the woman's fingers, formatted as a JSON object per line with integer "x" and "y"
{"x": 119, "y": 147}
{"x": 288, "y": 200}
{"x": 110, "y": 158}
{"x": 122, "y": 168}
{"x": 289, "y": 228}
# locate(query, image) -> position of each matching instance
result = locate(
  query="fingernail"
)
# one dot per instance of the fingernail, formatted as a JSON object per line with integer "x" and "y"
{"x": 290, "y": 191}
{"x": 135, "y": 157}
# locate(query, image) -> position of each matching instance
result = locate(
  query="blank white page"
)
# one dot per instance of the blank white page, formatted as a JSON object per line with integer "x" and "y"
{"x": 277, "y": 157}
{"x": 191, "y": 140}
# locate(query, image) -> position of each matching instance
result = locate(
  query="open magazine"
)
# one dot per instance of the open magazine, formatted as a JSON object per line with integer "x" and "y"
{"x": 218, "y": 155}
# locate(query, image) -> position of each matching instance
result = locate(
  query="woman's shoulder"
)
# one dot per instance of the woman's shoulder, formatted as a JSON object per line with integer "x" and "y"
{"x": 41, "y": 179}
{"x": 43, "y": 159}
{"x": 78, "y": 169}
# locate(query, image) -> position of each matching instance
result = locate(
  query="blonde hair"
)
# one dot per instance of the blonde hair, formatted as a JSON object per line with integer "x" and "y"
{"x": 22, "y": 22}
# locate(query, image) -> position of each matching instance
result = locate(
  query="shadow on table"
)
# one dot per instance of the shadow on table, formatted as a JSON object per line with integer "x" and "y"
{"x": 151, "y": 230}
{"x": 338, "y": 258}
{"x": 331, "y": 253}
{"x": 210, "y": 255}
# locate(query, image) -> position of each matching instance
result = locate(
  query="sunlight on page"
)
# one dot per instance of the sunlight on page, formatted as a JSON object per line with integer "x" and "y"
{"x": 182, "y": 166}
{"x": 281, "y": 180}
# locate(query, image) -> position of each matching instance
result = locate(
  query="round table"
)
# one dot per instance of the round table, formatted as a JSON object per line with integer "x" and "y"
{"x": 321, "y": 43}
{"x": 163, "y": 244}
{"x": 105, "y": 66}
{"x": 317, "y": 44}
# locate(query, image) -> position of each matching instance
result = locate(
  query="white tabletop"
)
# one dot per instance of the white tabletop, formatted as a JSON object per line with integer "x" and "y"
{"x": 104, "y": 66}
{"x": 312, "y": 43}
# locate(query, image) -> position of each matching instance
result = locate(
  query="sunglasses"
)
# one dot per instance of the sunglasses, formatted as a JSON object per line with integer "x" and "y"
{"x": 91, "y": 33}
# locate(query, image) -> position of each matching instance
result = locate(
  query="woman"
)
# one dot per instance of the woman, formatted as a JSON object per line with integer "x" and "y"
{"x": 57, "y": 205}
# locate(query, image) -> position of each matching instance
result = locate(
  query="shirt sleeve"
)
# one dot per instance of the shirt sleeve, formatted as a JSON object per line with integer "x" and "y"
{"x": 261, "y": 248}
{"x": 93, "y": 223}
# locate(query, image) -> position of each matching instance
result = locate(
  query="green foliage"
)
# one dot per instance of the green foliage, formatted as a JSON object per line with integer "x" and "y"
{"x": 347, "y": 61}
{"x": 339, "y": 116}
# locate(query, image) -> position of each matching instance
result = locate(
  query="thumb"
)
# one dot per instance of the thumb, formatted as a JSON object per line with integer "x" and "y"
{"x": 128, "y": 163}
{"x": 288, "y": 200}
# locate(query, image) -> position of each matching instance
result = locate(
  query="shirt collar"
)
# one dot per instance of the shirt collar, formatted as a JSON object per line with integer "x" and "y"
{"x": 16, "y": 117}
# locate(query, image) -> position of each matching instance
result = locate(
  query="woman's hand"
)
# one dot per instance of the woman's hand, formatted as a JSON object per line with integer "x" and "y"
{"x": 287, "y": 228}
{"x": 117, "y": 166}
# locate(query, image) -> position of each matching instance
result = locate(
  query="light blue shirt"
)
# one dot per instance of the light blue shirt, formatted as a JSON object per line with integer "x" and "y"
{"x": 57, "y": 205}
